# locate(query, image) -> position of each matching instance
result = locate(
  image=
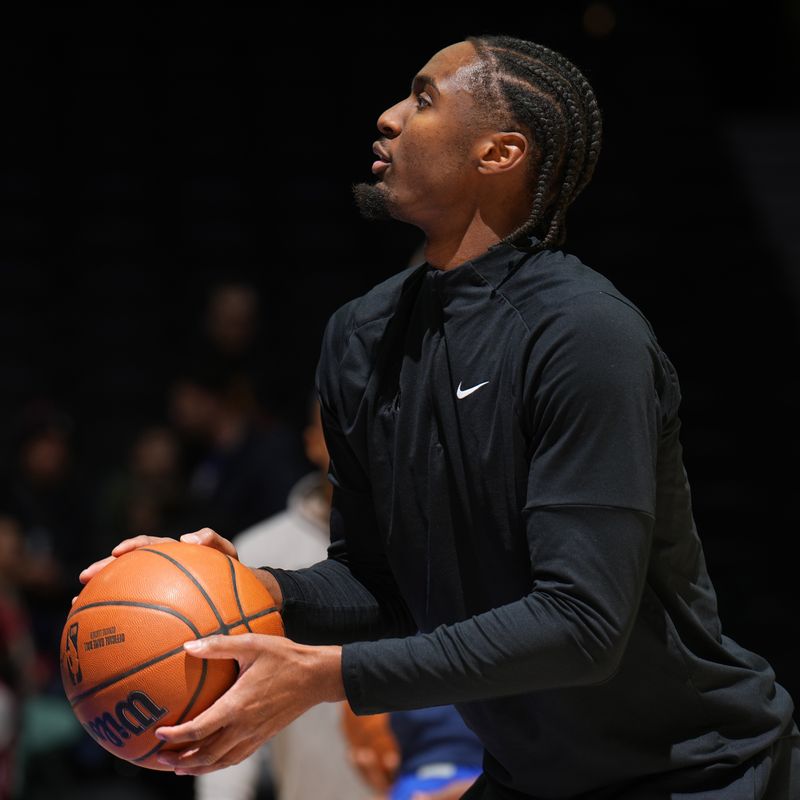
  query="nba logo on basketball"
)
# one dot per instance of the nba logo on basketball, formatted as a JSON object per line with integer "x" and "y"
{"x": 71, "y": 655}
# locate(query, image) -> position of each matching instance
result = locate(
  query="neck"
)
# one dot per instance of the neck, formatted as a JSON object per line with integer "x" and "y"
{"x": 446, "y": 248}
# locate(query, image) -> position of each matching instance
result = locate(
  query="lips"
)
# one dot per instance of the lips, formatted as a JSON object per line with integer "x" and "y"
{"x": 382, "y": 154}
{"x": 384, "y": 159}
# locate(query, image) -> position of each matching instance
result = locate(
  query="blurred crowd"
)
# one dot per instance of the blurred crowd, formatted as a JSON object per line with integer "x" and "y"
{"x": 216, "y": 456}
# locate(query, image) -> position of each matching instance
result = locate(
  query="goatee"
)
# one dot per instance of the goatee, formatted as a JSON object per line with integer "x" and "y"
{"x": 371, "y": 200}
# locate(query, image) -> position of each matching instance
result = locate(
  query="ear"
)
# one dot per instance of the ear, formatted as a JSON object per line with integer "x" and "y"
{"x": 502, "y": 151}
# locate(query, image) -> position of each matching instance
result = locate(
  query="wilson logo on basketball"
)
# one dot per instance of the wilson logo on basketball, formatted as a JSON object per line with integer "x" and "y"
{"x": 71, "y": 655}
{"x": 132, "y": 716}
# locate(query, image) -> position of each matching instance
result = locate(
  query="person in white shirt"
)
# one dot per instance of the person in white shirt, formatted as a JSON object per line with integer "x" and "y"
{"x": 308, "y": 758}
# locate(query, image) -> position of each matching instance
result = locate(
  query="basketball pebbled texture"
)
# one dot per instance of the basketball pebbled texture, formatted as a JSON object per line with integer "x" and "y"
{"x": 123, "y": 665}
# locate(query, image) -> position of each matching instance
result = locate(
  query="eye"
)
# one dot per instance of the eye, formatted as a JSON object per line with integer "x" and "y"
{"x": 422, "y": 100}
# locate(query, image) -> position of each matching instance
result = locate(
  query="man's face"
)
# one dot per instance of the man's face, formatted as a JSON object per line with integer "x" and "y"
{"x": 428, "y": 137}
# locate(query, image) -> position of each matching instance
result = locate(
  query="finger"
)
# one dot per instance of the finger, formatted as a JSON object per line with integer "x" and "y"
{"x": 184, "y": 756}
{"x": 202, "y": 727}
{"x": 210, "y": 538}
{"x": 123, "y": 547}
{"x": 126, "y": 545}
{"x": 234, "y": 755}
{"x": 92, "y": 570}
{"x": 243, "y": 646}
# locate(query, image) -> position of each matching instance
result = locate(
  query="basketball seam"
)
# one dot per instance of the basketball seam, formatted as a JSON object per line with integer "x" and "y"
{"x": 223, "y": 629}
{"x": 137, "y": 604}
{"x": 180, "y": 719}
{"x": 236, "y": 594}
{"x": 191, "y": 578}
{"x": 122, "y": 675}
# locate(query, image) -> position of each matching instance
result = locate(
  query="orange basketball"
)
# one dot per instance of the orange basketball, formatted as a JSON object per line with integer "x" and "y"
{"x": 123, "y": 665}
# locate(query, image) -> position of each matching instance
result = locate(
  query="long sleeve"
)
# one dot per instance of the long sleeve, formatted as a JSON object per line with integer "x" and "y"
{"x": 589, "y": 518}
{"x": 570, "y": 630}
{"x": 352, "y": 595}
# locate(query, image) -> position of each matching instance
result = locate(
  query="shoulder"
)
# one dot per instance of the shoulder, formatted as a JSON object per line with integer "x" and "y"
{"x": 566, "y": 306}
{"x": 370, "y": 308}
{"x": 583, "y": 331}
{"x": 599, "y": 317}
{"x": 596, "y": 331}
{"x": 555, "y": 286}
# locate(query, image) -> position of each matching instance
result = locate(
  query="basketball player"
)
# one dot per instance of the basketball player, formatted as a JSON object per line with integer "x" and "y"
{"x": 507, "y": 478}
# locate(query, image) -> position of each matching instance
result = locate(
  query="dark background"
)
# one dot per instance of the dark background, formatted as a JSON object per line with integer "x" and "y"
{"x": 146, "y": 159}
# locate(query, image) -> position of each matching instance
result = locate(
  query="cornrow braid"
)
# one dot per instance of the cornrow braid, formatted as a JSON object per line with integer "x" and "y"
{"x": 524, "y": 84}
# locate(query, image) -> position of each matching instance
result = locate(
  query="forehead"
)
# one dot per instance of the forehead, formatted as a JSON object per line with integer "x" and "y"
{"x": 452, "y": 65}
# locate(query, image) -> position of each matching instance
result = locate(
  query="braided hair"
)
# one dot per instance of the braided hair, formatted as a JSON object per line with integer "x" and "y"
{"x": 518, "y": 83}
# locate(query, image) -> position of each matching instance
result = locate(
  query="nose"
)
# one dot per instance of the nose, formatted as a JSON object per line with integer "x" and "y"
{"x": 390, "y": 123}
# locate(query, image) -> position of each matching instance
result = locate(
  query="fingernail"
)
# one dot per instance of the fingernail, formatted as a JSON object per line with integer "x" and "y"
{"x": 193, "y": 644}
{"x": 163, "y": 738}
{"x": 190, "y": 537}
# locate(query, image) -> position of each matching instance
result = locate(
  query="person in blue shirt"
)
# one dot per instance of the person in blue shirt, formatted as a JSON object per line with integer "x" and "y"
{"x": 438, "y": 753}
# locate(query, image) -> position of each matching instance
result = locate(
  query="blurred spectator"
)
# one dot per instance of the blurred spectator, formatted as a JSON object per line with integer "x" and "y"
{"x": 232, "y": 321}
{"x": 49, "y": 494}
{"x": 49, "y": 499}
{"x": 230, "y": 339}
{"x": 243, "y": 468}
{"x": 372, "y": 748}
{"x": 236, "y": 336}
{"x": 308, "y": 758}
{"x": 148, "y": 496}
{"x": 420, "y": 754}
{"x": 16, "y": 651}
{"x": 440, "y": 757}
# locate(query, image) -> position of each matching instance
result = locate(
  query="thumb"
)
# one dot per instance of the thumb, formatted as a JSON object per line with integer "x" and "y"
{"x": 210, "y": 538}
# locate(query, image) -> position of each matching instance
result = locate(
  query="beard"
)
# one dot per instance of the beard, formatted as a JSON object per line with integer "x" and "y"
{"x": 372, "y": 200}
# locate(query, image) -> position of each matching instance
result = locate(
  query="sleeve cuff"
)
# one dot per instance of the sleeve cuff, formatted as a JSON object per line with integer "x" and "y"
{"x": 292, "y": 596}
{"x": 351, "y": 678}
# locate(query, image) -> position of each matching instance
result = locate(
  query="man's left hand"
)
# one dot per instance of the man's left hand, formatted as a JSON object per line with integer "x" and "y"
{"x": 278, "y": 681}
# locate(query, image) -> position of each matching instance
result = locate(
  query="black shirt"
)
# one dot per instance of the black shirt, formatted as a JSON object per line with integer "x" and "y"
{"x": 508, "y": 480}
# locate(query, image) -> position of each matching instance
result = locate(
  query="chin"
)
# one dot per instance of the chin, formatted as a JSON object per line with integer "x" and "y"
{"x": 373, "y": 200}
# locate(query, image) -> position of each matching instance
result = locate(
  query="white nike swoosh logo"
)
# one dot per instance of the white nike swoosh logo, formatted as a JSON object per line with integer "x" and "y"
{"x": 464, "y": 392}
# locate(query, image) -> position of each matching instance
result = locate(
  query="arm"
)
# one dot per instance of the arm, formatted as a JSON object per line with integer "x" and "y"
{"x": 590, "y": 397}
{"x": 352, "y": 595}
{"x": 571, "y": 630}
{"x": 589, "y": 522}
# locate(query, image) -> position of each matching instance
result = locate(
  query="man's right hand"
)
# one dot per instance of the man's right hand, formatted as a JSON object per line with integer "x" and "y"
{"x": 204, "y": 536}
